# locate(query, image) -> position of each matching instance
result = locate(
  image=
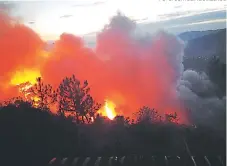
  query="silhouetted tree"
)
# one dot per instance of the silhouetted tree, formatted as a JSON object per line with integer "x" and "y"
{"x": 24, "y": 89}
{"x": 28, "y": 132}
{"x": 121, "y": 120}
{"x": 173, "y": 118}
{"x": 42, "y": 95}
{"x": 147, "y": 115}
{"x": 12, "y": 101}
{"x": 101, "y": 120}
{"x": 74, "y": 98}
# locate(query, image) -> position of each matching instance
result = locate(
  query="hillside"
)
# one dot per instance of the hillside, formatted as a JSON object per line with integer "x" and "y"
{"x": 189, "y": 35}
{"x": 199, "y": 51}
{"x": 207, "y": 45}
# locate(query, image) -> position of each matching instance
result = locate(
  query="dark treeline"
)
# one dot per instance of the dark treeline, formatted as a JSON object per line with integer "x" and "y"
{"x": 32, "y": 137}
{"x": 30, "y": 134}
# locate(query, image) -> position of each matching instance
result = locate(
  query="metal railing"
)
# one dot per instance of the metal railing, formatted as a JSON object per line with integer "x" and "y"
{"x": 137, "y": 160}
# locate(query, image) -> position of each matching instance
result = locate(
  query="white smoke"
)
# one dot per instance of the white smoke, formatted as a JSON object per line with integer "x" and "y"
{"x": 195, "y": 89}
{"x": 198, "y": 94}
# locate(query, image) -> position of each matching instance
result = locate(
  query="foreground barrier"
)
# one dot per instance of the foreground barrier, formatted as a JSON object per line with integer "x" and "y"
{"x": 135, "y": 160}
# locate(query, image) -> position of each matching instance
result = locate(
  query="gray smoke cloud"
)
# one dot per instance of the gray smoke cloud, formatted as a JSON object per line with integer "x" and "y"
{"x": 195, "y": 89}
{"x": 197, "y": 92}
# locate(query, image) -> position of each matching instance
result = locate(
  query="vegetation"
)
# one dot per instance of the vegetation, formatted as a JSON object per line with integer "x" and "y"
{"x": 44, "y": 94}
{"x": 75, "y": 98}
{"x": 28, "y": 132}
{"x": 32, "y": 135}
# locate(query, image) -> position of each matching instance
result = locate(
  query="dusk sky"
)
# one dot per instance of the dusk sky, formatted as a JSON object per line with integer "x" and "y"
{"x": 81, "y": 17}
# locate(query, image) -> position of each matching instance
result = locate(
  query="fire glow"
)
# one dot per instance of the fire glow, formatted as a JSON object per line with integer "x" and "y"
{"x": 109, "y": 110}
{"x": 25, "y": 76}
{"x": 119, "y": 65}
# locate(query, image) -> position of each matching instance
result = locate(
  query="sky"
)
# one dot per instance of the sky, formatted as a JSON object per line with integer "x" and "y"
{"x": 85, "y": 17}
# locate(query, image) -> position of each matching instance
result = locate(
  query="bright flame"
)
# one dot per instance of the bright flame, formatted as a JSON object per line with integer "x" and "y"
{"x": 25, "y": 76}
{"x": 110, "y": 109}
{"x": 25, "y": 80}
{"x": 35, "y": 100}
{"x": 23, "y": 88}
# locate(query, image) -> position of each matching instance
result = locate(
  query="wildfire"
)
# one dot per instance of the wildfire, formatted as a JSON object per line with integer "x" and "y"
{"x": 109, "y": 109}
{"x": 25, "y": 80}
{"x": 23, "y": 88}
{"x": 26, "y": 75}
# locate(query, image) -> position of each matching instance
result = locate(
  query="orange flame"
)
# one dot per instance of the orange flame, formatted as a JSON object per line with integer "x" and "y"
{"x": 27, "y": 75}
{"x": 108, "y": 110}
{"x": 25, "y": 80}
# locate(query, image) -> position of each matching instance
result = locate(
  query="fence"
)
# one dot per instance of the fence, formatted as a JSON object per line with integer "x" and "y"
{"x": 136, "y": 160}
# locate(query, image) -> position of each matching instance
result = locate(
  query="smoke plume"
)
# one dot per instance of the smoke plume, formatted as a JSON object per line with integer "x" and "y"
{"x": 197, "y": 92}
{"x": 130, "y": 70}
{"x": 121, "y": 69}
{"x": 19, "y": 50}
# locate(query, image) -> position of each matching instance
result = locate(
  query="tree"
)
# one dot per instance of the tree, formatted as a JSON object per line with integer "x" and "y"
{"x": 74, "y": 98}
{"x": 121, "y": 120}
{"x": 98, "y": 119}
{"x": 25, "y": 129}
{"x": 173, "y": 118}
{"x": 24, "y": 89}
{"x": 42, "y": 95}
{"x": 15, "y": 101}
{"x": 147, "y": 115}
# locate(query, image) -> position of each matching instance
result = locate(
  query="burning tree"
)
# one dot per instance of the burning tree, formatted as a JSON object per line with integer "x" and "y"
{"x": 42, "y": 95}
{"x": 173, "y": 118}
{"x": 74, "y": 98}
{"x": 147, "y": 115}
